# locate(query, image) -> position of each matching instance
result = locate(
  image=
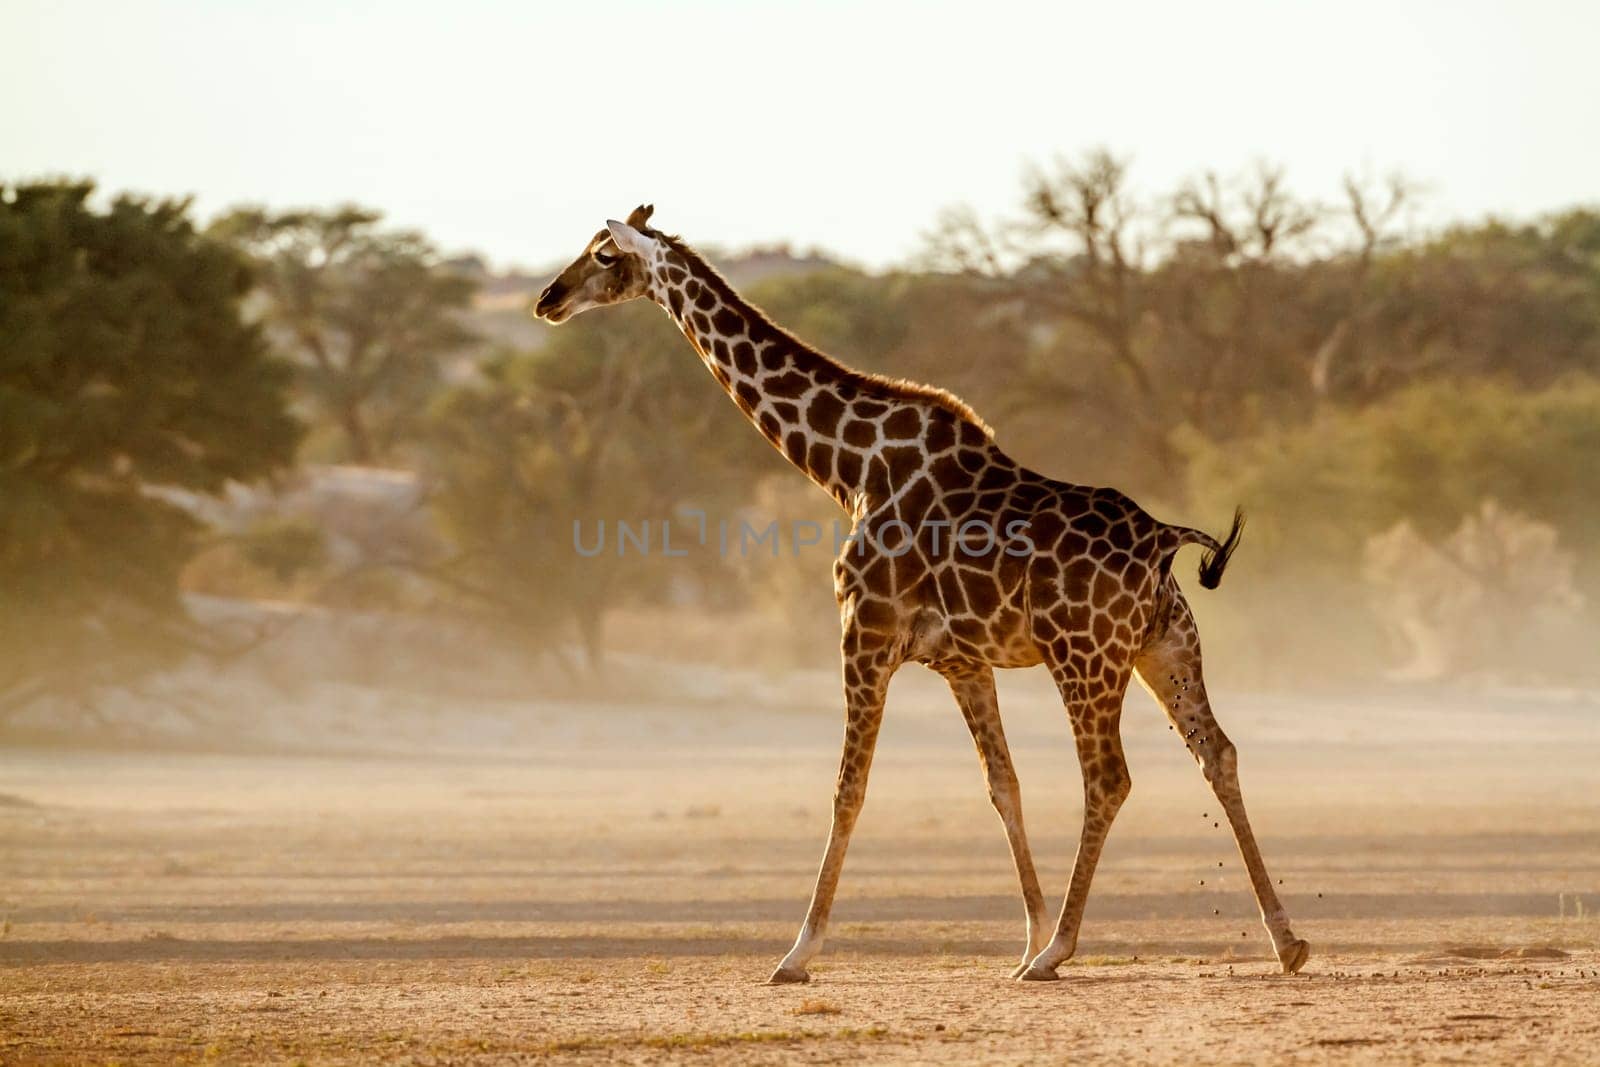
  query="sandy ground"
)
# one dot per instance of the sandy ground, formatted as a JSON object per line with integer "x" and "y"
{"x": 618, "y": 889}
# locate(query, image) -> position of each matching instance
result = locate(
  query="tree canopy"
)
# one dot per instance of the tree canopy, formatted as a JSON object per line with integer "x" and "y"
{"x": 368, "y": 313}
{"x": 128, "y": 380}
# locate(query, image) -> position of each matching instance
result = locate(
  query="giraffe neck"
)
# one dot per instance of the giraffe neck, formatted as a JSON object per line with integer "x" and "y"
{"x": 856, "y": 435}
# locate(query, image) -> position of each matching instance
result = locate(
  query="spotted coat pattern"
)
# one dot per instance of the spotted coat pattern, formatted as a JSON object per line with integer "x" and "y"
{"x": 960, "y": 559}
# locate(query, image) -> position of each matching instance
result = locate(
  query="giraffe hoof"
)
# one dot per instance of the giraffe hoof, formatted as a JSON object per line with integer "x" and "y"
{"x": 788, "y": 976}
{"x": 1017, "y": 971}
{"x": 1294, "y": 956}
{"x": 1037, "y": 972}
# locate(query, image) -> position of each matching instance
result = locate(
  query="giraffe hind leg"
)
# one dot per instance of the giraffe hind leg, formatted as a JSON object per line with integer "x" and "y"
{"x": 1170, "y": 669}
{"x": 1096, "y": 713}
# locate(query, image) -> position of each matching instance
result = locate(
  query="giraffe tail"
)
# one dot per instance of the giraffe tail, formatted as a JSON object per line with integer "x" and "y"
{"x": 1215, "y": 561}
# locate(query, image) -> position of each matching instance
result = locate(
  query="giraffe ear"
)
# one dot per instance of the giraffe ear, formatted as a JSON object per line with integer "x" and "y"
{"x": 629, "y": 239}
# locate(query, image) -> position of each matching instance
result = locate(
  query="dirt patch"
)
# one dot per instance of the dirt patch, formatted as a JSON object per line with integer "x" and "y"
{"x": 940, "y": 1009}
{"x": 587, "y": 906}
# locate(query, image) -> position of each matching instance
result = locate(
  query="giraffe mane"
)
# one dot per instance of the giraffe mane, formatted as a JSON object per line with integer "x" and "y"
{"x": 881, "y": 386}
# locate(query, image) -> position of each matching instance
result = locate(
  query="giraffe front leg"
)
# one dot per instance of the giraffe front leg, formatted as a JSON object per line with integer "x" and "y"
{"x": 863, "y": 716}
{"x": 1170, "y": 671}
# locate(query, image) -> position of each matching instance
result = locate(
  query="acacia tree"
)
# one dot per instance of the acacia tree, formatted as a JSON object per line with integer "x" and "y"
{"x": 1515, "y": 302}
{"x": 1187, "y": 309}
{"x": 369, "y": 313}
{"x": 127, "y": 379}
{"x": 614, "y": 419}
{"x": 514, "y": 458}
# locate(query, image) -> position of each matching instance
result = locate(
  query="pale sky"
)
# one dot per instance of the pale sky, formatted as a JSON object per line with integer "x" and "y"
{"x": 516, "y": 128}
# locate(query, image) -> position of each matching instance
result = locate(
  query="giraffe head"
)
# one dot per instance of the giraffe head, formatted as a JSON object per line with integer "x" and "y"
{"x": 612, "y": 269}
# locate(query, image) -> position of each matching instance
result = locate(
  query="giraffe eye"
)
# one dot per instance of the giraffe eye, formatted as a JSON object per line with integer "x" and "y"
{"x": 606, "y": 259}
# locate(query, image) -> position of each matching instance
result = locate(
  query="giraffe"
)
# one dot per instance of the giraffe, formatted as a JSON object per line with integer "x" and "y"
{"x": 959, "y": 559}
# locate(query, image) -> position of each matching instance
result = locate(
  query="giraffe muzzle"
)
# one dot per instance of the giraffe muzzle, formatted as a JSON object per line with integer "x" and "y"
{"x": 550, "y": 306}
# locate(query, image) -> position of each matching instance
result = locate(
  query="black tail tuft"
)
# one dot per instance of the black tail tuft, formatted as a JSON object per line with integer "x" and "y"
{"x": 1213, "y": 563}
